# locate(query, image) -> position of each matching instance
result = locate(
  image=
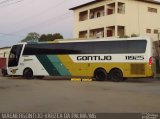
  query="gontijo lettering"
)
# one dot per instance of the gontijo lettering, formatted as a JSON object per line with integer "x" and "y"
{"x": 94, "y": 58}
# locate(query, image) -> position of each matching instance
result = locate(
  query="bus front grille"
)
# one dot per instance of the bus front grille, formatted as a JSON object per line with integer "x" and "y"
{"x": 138, "y": 69}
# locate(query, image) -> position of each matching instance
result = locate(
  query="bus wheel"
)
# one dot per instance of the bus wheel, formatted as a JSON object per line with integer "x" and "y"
{"x": 28, "y": 73}
{"x": 116, "y": 75}
{"x": 100, "y": 74}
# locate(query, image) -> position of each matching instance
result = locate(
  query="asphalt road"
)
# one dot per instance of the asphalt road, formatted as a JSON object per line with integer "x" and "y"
{"x": 135, "y": 95}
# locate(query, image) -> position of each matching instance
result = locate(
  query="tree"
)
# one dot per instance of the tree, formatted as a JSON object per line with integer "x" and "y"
{"x": 57, "y": 36}
{"x": 33, "y": 36}
{"x": 123, "y": 36}
{"x": 134, "y": 35}
{"x": 43, "y": 37}
{"x": 50, "y": 37}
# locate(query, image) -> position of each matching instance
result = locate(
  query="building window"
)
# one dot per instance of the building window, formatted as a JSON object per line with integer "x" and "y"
{"x": 110, "y": 8}
{"x": 110, "y": 31}
{"x": 121, "y": 31}
{"x": 97, "y": 12}
{"x": 148, "y": 31}
{"x": 83, "y": 16}
{"x": 153, "y": 10}
{"x": 97, "y": 33}
{"x": 155, "y": 31}
{"x": 121, "y": 8}
{"x": 83, "y": 34}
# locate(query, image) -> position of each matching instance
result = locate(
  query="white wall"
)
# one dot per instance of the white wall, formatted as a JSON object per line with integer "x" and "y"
{"x": 136, "y": 18}
{"x": 6, "y": 51}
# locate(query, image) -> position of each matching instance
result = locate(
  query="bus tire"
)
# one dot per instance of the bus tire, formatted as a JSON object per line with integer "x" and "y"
{"x": 100, "y": 74}
{"x": 116, "y": 75}
{"x": 28, "y": 73}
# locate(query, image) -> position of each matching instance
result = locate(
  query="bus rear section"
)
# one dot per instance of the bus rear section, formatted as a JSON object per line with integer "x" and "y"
{"x": 141, "y": 64}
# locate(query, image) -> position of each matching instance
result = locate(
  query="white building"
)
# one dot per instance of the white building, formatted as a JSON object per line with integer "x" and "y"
{"x": 117, "y": 18}
{"x": 4, "y": 52}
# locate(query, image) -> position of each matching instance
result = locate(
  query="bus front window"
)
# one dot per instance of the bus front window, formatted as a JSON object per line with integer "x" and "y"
{"x": 14, "y": 55}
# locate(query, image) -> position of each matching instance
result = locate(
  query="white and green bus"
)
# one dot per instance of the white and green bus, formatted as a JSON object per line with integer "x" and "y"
{"x": 115, "y": 59}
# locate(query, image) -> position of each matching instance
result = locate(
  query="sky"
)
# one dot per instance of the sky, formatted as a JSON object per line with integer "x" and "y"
{"x": 19, "y": 17}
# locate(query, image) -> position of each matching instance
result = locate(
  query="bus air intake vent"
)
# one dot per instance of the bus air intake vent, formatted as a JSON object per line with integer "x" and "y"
{"x": 138, "y": 69}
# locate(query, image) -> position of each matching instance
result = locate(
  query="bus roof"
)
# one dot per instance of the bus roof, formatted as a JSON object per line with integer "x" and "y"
{"x": 87, "y": 40}
{"x": 101, "y": 39}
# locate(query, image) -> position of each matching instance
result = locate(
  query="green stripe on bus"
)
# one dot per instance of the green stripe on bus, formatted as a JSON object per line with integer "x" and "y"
{"x": 59, "y": 65}
{"x": 48, "y": 65}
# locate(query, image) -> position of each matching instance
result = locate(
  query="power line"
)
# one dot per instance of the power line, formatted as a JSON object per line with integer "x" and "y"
{"x": 62, "y": 2}
{"x": 9, "y": 34}
{"x": 58, "y": 19}
{"x": 5, "y": 1}
{"x": 43, "y": 12}
{"x": 6, "y": 5}
{"x": 55, "y": 19}
{"x": 15, "y": 35}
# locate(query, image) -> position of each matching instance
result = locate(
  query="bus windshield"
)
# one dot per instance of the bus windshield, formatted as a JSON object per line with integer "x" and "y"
{"x": 14, "y": 55}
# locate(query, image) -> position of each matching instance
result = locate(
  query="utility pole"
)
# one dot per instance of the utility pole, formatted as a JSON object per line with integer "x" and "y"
{"x": 158, "y": 42}
{"x": 158, "y": 53}
{"x": 159, "y": 36}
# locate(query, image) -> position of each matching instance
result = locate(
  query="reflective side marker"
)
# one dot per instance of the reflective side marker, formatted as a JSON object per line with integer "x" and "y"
{"x": 82, "y": 79}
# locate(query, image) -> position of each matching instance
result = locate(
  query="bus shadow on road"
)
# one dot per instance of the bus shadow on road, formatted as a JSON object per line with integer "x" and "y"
{"x": 59, "y": 78}
{"x": 142, "y": 80}
{"x": 55, "y": 78}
